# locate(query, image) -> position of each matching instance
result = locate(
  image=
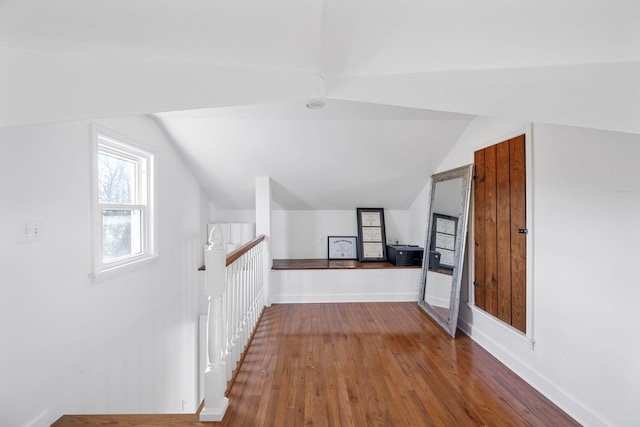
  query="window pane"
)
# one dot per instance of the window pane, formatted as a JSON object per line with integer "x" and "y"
{"x": 116, "y": 179}
{"x": 121, "y": 234}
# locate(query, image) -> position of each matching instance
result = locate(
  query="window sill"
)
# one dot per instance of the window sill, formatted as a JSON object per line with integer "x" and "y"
{"x": 112, "y": 272}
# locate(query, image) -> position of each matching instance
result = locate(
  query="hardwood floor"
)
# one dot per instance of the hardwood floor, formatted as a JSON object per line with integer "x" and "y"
{"x": 369, "y": 364}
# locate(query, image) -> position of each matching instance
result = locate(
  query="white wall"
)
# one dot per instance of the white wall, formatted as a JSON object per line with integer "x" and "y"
{"x": 418, "y": 216}
{"x": 131, "y": 86}
{"x": 128, "y": 344}
{"x": 586, "y": 225}
{"x": 345, "y": 285}
{"x": 217, "y": 215}
{"x": 297, "y": 234}
{"x": 303, "y": 234}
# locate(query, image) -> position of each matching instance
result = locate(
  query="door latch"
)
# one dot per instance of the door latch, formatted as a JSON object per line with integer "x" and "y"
{"x": 523, "y": 231}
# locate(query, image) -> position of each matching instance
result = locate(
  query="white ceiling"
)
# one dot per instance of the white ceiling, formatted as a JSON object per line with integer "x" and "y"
{"x": 574, "y": 62}
{"x": 345, "y": 155}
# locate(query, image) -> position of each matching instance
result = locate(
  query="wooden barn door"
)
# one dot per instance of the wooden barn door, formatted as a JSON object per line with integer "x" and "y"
{"x": 500, "y": 231}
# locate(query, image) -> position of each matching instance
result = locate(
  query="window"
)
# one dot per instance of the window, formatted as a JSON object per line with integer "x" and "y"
{"x": 123, "y": 223}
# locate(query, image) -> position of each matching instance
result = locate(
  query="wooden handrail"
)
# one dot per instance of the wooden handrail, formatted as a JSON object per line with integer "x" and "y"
{"x": 237, "y": 253}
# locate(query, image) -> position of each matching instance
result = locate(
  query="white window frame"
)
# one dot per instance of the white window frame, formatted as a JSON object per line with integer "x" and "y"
{"x": 109, "y": 142}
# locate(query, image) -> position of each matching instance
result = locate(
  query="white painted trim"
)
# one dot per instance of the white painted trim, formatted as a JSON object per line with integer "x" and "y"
{"x": 493, "y": 337}
{"x": 528, "y": 135}
{"x": 202, "y": 354}
{"x": 523, "y": 130}
{"x": 98, "y": 271}
{"x": 216, "y": 414}
{"x": 102, "y": 275}
{"x": 495, "y": 327}
{"x": 528, "y": 146}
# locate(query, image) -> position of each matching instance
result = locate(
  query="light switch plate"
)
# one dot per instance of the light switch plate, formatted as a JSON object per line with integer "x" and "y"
{"x": 29, "y": 231}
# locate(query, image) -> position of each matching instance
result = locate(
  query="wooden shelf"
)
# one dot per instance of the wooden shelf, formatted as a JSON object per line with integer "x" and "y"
{"x": 333, "y": 264}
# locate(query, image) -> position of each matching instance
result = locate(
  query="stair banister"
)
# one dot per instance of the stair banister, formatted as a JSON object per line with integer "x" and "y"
{"x": 215, "y": 402}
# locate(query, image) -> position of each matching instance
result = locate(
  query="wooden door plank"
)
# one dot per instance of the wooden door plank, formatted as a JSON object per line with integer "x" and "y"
{"x": 503, "y": 232}
{"x": 478, "y": 231}
{"x": 518, "y": 240}
{"x": 491, "y": 273}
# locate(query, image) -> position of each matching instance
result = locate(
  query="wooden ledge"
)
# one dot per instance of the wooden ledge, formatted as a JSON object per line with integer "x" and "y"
{"x": 331, "y": 264}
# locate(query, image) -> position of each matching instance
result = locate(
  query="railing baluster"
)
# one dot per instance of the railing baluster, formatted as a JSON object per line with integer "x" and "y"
{"x": 225, "y": 297}
{"x": 245, "y": 293}
{"x": 238, "y": 290}
{"x": 215, "y": 283}
{"x": 236, "y": 300}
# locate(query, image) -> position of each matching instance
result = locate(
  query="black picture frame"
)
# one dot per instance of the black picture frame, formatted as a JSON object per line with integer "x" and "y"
{"x": 372, "y": 240}
{"x": 342, "y": 247}
{"x": 443, "y": 240}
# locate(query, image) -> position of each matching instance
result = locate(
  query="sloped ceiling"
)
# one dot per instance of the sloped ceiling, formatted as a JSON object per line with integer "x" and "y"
{"x": 575, "y": 62}
{"x": 345, "y": 155}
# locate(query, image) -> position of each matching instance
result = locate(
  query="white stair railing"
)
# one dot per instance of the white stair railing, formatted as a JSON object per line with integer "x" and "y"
{"x": 234, "y": 286}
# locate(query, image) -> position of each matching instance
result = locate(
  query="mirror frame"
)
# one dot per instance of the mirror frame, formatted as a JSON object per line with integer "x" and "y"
{"x": 451, "y": 323}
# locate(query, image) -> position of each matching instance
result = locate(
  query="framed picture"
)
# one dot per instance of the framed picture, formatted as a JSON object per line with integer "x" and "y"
{"x": 443, "y": 238}
{"x": 371, "y": 234}
{"x": 342, "y": 247}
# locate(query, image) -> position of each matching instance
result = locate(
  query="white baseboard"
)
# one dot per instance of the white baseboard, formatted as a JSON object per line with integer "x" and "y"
{"x": 202, "y": 354}
{"x": 496, "y": 341}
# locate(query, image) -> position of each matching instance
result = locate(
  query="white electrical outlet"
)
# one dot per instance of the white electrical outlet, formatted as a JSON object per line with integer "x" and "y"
{"x": 29, "y": 231}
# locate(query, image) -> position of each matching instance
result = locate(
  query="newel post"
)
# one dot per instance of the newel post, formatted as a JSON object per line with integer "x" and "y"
{"x": 215, "y": 402}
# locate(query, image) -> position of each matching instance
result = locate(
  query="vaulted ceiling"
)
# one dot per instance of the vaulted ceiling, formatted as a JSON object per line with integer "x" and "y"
{"x": 400, "y": 79}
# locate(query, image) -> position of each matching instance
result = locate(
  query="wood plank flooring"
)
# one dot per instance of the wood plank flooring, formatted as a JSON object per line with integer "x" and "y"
{"x": 365, "y": 364}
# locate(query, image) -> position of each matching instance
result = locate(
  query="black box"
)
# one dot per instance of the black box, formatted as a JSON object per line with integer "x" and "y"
{"x": 405, "y": 254}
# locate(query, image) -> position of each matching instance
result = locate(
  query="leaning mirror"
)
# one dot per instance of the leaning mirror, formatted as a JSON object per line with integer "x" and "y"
{"x": 444, "y": 246}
